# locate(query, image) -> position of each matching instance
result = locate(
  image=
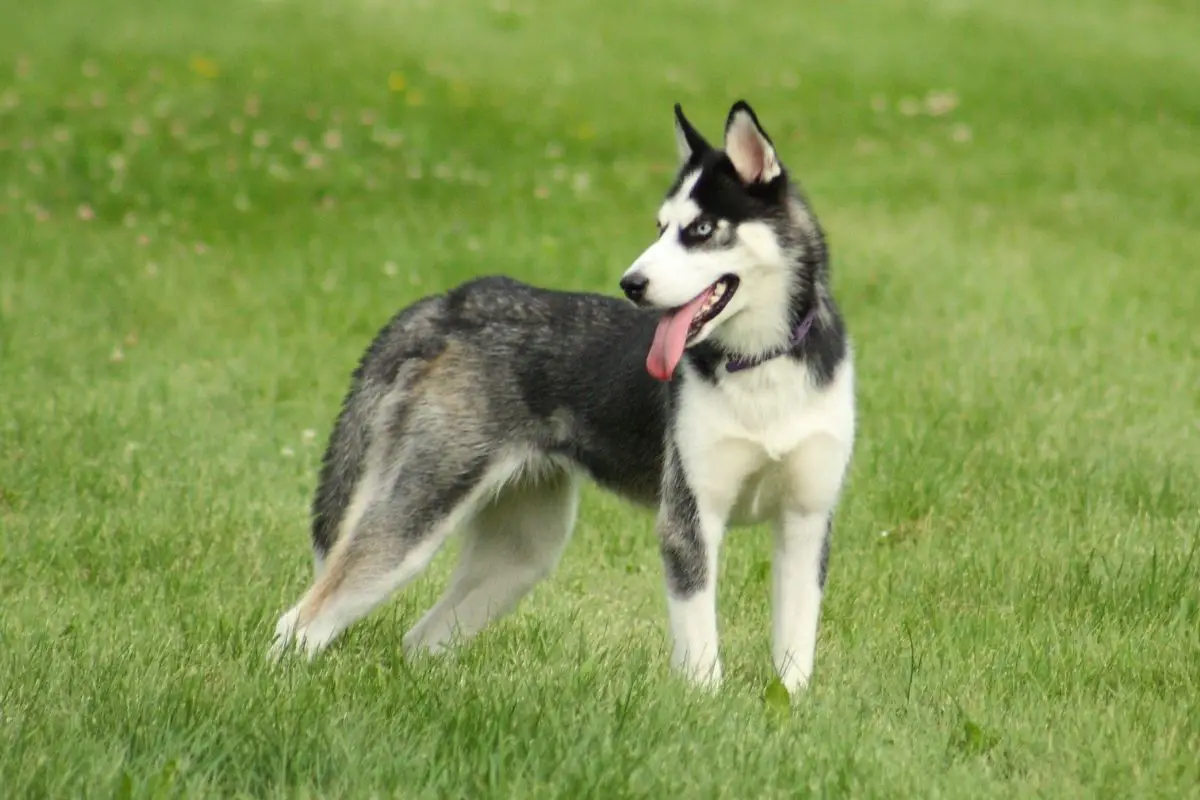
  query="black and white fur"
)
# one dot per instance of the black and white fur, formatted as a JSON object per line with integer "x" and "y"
{"x": 479, "y": 411}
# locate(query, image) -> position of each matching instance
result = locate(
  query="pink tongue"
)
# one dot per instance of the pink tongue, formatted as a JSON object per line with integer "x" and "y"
{"x": 670, "y": 339}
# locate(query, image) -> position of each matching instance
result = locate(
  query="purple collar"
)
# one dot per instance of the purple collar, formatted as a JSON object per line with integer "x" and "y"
{"x": 798, "y": 334}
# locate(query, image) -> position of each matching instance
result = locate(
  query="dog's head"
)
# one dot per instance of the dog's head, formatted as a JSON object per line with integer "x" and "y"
{"x": 728, "y": 232}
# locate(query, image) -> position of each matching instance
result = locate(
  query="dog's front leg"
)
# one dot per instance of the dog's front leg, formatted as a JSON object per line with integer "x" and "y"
{"x": 798, "y": 578}
{"x": 802, "y": 540}
{"x": 690, "y": 535}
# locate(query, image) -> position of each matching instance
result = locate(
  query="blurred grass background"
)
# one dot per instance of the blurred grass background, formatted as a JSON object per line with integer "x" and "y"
{"x": 207, "y": 210}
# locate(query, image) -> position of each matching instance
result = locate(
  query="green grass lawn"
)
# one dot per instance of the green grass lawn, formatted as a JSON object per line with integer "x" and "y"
{"x": 208, "y": 209}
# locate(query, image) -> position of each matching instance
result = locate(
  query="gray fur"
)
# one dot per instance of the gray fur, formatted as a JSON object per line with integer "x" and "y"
{"x": 683, "y": 552}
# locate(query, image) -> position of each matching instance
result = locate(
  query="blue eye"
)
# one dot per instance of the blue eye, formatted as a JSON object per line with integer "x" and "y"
{"x": 703, "y": 229}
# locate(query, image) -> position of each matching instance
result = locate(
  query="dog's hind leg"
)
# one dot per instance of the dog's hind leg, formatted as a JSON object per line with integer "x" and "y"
{"x": 508, "y": 547}
{"x": 404, "y": 522}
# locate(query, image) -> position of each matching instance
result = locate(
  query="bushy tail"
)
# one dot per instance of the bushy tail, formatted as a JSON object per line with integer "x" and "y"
{"x": 409, "y": 339}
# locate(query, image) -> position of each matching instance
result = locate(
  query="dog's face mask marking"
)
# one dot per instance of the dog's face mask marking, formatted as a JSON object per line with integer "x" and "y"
{"x": 714, "y": 234}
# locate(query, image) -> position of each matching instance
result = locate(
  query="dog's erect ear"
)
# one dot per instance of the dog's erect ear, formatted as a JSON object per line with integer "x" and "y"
{"x": 749, "y": 147}
{"x": 687, "y": 138}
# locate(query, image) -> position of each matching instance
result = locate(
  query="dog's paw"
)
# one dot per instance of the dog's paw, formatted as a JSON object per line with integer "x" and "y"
{"x": 710, "y": 682}
{"x": 705, "y": 675}
{"x": 285, "y": 635}
{"x": 793, "y": 674}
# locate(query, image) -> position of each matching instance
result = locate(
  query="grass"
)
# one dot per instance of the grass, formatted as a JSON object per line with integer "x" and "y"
{"x": 207, "y": 209}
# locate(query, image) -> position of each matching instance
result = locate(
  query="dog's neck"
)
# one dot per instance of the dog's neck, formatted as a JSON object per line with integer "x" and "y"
{"x": 799, "y": 333}
{"x": 789, "y": 334}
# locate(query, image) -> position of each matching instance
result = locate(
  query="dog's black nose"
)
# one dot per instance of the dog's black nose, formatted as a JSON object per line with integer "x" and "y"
{"x": 634, "y": 286}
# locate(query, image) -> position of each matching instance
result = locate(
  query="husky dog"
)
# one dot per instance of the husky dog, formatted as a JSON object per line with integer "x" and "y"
{"x": 723, "y": 394}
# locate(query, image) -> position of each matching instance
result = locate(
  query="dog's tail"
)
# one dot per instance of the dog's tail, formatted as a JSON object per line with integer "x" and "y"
{"x": 379, "y": 389}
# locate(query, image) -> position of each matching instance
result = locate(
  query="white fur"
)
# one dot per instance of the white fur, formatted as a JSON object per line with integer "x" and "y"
{"x": 694, "y": 641}
{"x": 679, "y": 210}
{"x": 755, "y": 320}
{"x": 796, "y": 595}
{"x": 763, "y": 444}
{"x": 508, "y": 547}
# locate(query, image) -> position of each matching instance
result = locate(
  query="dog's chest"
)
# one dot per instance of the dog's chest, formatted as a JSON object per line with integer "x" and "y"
{"x": 772, "y": 407}
{"x": 737, "y": 438}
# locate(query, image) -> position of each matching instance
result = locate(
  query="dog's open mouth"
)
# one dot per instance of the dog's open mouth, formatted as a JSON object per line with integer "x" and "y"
{"x": 679, "y": 327}
{"x": 716, "y": 297}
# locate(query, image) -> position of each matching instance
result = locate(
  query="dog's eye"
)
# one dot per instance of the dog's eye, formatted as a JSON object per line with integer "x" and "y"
{"x": 702, "y": 229}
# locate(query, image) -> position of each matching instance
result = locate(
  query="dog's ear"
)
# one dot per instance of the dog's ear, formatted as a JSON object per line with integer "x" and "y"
{"x": 749, "y": 147}
{"x": 687, "y": 139}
